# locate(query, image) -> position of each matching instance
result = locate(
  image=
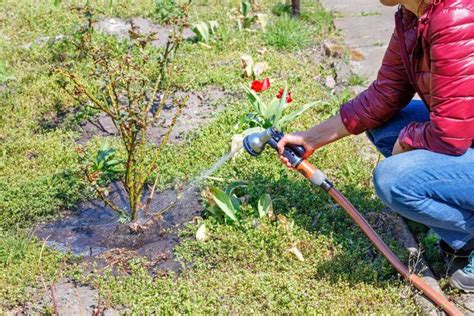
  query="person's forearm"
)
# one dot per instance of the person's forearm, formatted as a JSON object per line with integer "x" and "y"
{"x": 327, "y": 131}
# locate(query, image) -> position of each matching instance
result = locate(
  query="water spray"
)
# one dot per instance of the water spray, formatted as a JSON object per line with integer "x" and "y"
{"x": 255, "y": 144}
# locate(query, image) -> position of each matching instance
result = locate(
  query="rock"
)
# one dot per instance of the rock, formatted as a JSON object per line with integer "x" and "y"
{"x": 330, "y": 82}
{"x": 120, "y": 28}
{"x": 43, "y": 40}
{"x": 342, "y": 70}
{"x": 333, "y": 50}
{"x": 113, "y": 26}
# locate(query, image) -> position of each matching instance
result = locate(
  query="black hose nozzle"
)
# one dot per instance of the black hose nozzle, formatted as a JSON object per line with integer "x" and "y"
{"x": 255, "y": 143}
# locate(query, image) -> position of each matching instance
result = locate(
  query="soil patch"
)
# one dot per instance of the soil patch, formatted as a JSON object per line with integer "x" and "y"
{"x": 120, "y": 28}
{"x": 93, "y": 230}
{"x": 201, "y": 108}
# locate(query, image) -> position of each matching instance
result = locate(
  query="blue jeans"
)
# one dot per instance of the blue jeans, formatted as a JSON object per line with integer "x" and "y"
{"x": 434, "y": 189}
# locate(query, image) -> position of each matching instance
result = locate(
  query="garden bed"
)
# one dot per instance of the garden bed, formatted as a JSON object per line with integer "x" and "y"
{"x": 243, "y": 267}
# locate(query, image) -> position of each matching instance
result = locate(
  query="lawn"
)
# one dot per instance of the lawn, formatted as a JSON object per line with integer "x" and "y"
{"x": 244, "y": 267}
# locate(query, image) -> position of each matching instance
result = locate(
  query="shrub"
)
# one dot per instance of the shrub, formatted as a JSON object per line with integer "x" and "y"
{"x": 119, "y": 88}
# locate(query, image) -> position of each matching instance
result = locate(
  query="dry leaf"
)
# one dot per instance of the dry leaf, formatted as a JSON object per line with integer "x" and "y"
{"x": 262, "y": 51}
{"x": 283, "y": 220}
{"x": 333, "y": 50}
{"x": 136, "y": 228}
{"x": 237, "y": 142}
{"x": 357, "y": 55}
{"x": 296, "y": 252}
{"x": 259, "y": 69}
{"x": 246, "y": 63}
{"x": 270, "y": 214}
{"x": 201, "y": 234}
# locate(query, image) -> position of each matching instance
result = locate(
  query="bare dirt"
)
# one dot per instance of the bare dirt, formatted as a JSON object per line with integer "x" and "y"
{"x": 93, "y": 231}
{"x": 120, "y": 28}
{"x": 201, "y": 108}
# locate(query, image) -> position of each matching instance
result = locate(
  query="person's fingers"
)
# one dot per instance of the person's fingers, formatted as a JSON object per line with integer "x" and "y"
{"x": 281, "y": 144}
{"x": 289, "y": 139}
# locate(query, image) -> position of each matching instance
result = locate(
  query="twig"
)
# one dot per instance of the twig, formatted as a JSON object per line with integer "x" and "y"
{"x": 53, "y": 298}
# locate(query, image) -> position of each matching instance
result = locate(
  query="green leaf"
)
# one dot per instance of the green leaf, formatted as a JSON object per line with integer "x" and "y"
{"x": 213, "y": 25}
{"x": 285, "y": 120}
{"x": 252, "y": 130}
{"x": 265, "y": 205}
{"x": 234, "y": 185}
{"x": 225, "y": 203}
{"x": 248, "y": 21}
{"x": 112, "y": 163}
{"x": 245, "y": 8}
{"x": 272, "y": 110}
{"x": 255, "y": 100}
{"x": 202, "y": 32}
{"x": 235, "y": 203}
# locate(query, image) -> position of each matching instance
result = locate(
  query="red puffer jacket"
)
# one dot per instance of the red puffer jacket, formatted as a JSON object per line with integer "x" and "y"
{"x": 433, "y": 56}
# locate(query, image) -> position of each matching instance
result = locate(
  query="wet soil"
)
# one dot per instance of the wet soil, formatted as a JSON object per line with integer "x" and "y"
{"x": 201, "y": 108}
{"x": 94, "y": 232}
{"x": 120, "y": 28}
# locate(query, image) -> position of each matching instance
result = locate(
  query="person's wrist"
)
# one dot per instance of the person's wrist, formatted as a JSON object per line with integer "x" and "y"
{"x": 312, "y": 138}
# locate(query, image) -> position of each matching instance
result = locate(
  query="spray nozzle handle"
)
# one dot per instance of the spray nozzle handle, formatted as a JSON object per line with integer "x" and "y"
{"x": 297, "y": 149}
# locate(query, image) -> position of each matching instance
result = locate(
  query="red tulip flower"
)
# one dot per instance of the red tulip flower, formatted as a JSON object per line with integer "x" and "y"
{"x": 288, "y": 95}
{"x": 259, "y": 86}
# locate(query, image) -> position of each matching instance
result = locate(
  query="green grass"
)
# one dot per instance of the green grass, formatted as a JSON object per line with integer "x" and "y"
{"x": 288, "y": 34}
{"x": 245, "y": 268}
{"x": 248, "y": 270}
{"x": 28, "y": 268}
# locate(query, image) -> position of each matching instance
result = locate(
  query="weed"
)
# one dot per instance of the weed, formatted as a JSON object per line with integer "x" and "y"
{"x": 205, "y": 31}
{"x": 289, "y": 34}
{"x": 356, "y": 80}
{"x": 280, "y": 9}
{"x": 168, "y": 10}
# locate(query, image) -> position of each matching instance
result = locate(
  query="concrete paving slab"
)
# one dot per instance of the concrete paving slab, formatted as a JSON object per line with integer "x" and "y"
{"x": 370, "y": 65}
{"x": 358, "y": 31}
{"x": 359, "y": 7}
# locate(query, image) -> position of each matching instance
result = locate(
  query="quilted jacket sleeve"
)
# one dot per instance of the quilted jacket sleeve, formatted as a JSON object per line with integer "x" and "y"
{"x": 451, "y": 126}
{"x": 387, "y": 95}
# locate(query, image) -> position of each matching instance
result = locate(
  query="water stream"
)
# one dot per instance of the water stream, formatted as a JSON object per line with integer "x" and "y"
{"x": 219, "y": 163}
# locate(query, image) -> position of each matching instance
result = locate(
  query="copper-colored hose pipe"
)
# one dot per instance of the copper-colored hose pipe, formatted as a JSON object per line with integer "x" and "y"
{"x": 255, "y": 143}
{"x": 309, "y": 171}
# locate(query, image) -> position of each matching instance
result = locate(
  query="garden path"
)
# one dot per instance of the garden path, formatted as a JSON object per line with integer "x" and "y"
{"x": 366, "y": 27}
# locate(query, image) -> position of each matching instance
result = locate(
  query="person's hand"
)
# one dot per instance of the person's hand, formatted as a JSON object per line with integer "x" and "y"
{"x": 398, "y": 148}
{"x": 303, "y": 139}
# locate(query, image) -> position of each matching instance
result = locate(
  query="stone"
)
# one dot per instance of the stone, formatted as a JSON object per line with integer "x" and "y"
{"x": 120, "y": 29}
{"x": 342, "y": 70}
{"x": 330, "y": 82}
{"x": 333, "y": 49}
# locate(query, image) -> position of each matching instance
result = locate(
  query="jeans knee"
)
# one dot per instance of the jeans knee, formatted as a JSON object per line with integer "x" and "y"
{"x": 386, "y": 177}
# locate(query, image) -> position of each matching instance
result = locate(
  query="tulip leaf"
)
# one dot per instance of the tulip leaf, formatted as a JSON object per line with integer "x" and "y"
{"x": 272, "y": 109}
{"x": 265, "y": 205}
{"x": 255, "y": 100}
{"x": 224, "y": 202}
{"x": 295, "y": 114}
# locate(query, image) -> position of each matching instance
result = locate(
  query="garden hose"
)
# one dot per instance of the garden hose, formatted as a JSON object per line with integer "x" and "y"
{"x": 255, "y": 143}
